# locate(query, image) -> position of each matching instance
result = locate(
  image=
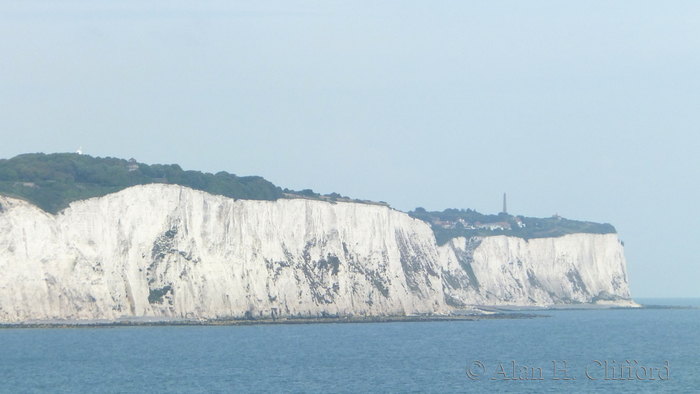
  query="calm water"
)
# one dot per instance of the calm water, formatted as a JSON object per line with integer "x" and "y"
{"x": 387, "y": 357}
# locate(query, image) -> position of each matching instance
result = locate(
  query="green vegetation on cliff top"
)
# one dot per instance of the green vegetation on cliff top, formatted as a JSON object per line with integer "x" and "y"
{"x": 453, "y": 223}
{"x": 53, "y": 181}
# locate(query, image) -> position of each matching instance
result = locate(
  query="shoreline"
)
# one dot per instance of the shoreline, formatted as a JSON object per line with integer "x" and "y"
{"x": 157, "y": 321}
{"x": 485, "y": 312}
{"x": 575, "y": 307}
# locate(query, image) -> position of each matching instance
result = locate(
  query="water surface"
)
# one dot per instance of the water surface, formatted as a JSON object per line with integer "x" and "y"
{"x": 375, "y": 357}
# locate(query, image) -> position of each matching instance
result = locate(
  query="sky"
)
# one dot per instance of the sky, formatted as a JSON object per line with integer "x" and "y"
{"x": 587, "y": 109}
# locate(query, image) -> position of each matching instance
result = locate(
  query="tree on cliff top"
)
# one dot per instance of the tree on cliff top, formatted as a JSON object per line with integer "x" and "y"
{"x": 53, "y": 181}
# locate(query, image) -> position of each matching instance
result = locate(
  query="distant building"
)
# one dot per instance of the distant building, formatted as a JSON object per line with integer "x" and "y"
{"x": 518, "y": 221}
{"x": 26, "y": 184}
{"x": 494, "y": 226}
{"x": 133, "y": 165}
{"x": 444, "y": 223}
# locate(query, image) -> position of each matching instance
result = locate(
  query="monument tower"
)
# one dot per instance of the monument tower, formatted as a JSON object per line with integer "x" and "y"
{"x": 505, "y": 206}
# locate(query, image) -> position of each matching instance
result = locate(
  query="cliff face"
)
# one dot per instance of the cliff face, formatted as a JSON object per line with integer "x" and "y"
{"x": 576, "y": 268}
{"x": 163, "y": 250}
{"x": 171, "y": 251}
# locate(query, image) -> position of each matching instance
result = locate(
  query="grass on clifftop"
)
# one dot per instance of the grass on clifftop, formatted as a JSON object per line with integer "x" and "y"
{"x": 53, "y": 181}
{"x": 453, "y": 223}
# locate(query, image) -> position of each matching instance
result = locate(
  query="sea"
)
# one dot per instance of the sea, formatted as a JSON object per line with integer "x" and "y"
{"x": 612, "y": 350}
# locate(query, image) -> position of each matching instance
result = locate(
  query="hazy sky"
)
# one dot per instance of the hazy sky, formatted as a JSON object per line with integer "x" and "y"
{"x": 587, "y": 109}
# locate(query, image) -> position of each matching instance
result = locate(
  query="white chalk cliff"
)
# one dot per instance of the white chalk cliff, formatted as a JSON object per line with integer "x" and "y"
{"x": 500, "y": 270}
{"x": 165, "y": 250}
